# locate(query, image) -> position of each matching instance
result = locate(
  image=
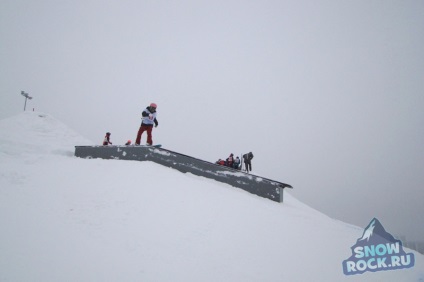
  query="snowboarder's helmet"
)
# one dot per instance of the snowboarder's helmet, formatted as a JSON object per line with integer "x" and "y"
{"x": 153, "y": 105}
{"x": 129, "y": 141}
{"x": 107, "y": 133}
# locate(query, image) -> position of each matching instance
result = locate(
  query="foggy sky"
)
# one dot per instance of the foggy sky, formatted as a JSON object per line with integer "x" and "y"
{"x": 328, "y": 95}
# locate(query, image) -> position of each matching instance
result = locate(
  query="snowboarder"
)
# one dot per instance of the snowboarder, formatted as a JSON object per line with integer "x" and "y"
{"x": 128, "y": 143}
{"x": 247, "y": 158}
{"x": 147, "y": 121}
{"x": 106, "y": 141}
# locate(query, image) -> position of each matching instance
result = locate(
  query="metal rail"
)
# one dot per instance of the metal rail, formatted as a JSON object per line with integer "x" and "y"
{"x": 257, "y": 185}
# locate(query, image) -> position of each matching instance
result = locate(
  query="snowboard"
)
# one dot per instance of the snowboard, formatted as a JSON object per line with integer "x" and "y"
{"x": 155, "y": 146}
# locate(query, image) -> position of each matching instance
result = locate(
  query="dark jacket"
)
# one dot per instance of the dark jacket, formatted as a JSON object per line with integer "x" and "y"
{"x": 146, "y": 113}
{"x": 248, "y": 157}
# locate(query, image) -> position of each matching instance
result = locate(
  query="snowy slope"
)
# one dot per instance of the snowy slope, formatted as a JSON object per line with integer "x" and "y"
{"x": 70, "y": 219}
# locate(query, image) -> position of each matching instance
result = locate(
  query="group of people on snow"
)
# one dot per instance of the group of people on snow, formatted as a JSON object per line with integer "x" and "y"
{"x": 149, "y": 119}
{"x": 230, "y": 162}
{"x": 236, "y": 163}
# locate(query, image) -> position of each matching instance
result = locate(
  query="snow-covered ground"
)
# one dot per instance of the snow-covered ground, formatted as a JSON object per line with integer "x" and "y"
{"x": 68, "y": 219}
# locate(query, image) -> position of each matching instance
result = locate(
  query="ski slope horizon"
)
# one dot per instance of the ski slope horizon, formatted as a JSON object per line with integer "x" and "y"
{"x": 75, "y": 219}
{"x": 327, "y": 97}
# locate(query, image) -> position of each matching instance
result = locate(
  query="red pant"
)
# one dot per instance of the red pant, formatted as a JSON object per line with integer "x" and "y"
{"x": 149, "y": 134}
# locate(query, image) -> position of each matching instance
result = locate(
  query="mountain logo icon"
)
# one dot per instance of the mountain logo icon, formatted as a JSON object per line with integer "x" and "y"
{"x": 377, "y": 250}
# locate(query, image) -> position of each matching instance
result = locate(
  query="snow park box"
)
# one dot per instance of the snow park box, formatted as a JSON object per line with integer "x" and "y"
{"x": 257, "y": 185}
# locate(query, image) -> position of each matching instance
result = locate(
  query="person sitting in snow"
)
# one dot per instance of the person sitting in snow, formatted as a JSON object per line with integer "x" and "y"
{"x": 220, "y": 162}
{"x": 106, "y": 141}
{"x": 128, "y": 143}
{"x": 230, "y": 160}
{"x": 237, "y": 162}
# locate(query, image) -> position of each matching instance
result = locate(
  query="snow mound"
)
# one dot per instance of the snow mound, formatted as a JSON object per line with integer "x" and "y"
{"x": 69, "y": 219}
{"x": 37, "y": 133}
